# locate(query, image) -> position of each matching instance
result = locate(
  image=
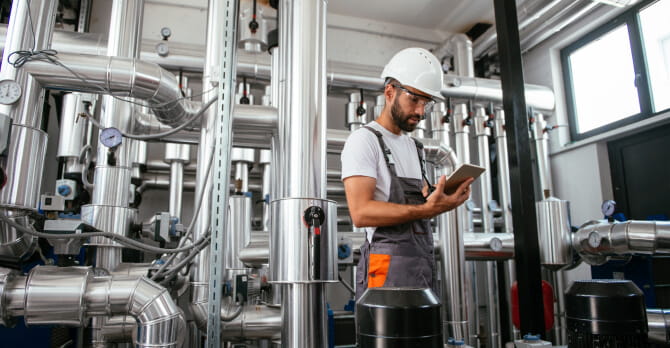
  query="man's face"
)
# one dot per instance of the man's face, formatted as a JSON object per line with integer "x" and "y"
{"x": 405, "y": 118}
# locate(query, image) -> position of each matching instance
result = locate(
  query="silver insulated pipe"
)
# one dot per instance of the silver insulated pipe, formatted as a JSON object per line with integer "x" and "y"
{"x": 30, "y": 27}
{"x": 304, "y": 227}
{"x": 69, "y": 296}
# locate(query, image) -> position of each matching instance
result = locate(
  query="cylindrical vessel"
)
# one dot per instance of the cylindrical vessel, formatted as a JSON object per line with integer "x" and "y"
{"x": 555, "y": 234}
{"x": 306, "y": 250}
{"x": 73, "y": 130}
{"x": 398, "y": 318}
{"x": 56, "y": 295}
{"x": 605, "y": 313}
{"x": 23, "y": 166}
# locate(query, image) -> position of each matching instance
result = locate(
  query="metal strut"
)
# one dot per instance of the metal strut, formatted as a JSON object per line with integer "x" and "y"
{"x": 222, "y": 148}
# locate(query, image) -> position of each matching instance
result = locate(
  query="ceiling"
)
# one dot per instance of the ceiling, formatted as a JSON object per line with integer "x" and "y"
{"x": 451, "y": 16}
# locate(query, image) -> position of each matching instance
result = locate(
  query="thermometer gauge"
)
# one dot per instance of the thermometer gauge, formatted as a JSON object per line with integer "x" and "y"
{"x": 10, "y": 92}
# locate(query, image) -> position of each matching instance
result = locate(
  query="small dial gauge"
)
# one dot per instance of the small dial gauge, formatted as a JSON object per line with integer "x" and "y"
{"x": 10, "y": 92}
{"x": 162, "y": 49}
{"x": 111, "y": 137}
{"x": 166, "y": 32}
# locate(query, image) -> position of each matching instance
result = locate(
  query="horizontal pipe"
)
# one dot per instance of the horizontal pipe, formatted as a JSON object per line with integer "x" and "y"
{"x": 255, "y": 322}
{"x": 66, "y": 295}
{"x": 478, "y": 247}
{"x": 188, "y": 57}
{"x": 538, "y": 97}
{"x": 123, "y": 77}
{"x": 598, "y": 241}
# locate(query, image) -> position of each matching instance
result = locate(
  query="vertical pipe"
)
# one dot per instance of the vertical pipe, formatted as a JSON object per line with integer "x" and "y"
{"x": 452, "y": 254}
{"x": 482, "y": 133}
{"x": 72, "y": 137}
{"x": 30, "y": 27}
{"x": 526, "y": 246}
{"x": 112, "y": 181}
{"x": 461, "y": 123}
{"x": 176, "y": 185}
{"x": 301, "y": 140}
{"x": 541, "y": 141}
{"x": 277, "y": 81}
{"x": 503, "y": 170}
{"x": 266, "y": 169}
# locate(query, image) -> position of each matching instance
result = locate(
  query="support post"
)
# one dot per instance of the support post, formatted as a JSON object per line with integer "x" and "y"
{"x": 527, "y": 252}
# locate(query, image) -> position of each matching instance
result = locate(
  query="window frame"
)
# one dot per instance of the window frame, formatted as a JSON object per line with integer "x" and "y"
{"x": 630, "y": 18}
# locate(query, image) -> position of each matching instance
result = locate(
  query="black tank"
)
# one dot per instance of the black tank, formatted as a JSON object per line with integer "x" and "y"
{"x": 399, "y": 318}
{"x": 605, "y": 313}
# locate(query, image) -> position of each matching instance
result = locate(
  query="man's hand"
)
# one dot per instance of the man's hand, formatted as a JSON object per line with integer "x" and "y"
{"x": 439, "y": 201}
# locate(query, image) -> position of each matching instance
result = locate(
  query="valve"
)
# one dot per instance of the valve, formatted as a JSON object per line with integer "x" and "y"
{"x": 253, "y": 25}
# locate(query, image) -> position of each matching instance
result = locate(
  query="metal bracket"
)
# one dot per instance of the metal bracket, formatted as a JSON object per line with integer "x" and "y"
{"x": 221, "y": 167}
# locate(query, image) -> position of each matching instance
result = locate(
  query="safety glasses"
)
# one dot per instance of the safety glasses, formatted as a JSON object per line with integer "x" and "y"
{"x": 418, "y": 99}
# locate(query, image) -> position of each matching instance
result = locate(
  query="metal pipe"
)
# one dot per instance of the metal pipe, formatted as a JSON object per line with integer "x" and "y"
{"x": 486, "y": 43}
{"x": 480, "y": 89}
{"x": 541, "y": 141}
{"x": 237, "y": 235}
{"x": 120, "y": 76}
{"x": 177, "y": 155}
{"x": 80, "y": 295}
{"x": 462, "y": 119}
{"x": 255, "y": 322}
{"x": 112, "y": 178}
{"x": 476, "y": 246}
{"x": 598, "y": 241}
{"x": 482, "y": 134}
{"x": 658, "y": 321}
{"x": 503, "y": 170}
{"x": 73, "y": 129}
{"x": 30, "y": 27}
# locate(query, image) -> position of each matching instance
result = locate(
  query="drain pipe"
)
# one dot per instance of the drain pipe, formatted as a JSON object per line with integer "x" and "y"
{"x": 26, "y": 150}
{"x": 304, "y": 227}
{"x": 68, "y": 296}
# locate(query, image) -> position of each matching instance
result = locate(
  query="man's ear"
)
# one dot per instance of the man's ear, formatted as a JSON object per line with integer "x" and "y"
{"x": 389, "y": 93}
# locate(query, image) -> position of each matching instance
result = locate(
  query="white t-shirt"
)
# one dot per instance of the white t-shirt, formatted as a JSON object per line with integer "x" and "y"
{"x": 362, "y": 155}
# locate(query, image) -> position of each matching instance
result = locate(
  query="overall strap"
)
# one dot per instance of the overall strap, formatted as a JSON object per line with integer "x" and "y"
{"x": 422, "y": 160}
{"x": 385, "y": 150}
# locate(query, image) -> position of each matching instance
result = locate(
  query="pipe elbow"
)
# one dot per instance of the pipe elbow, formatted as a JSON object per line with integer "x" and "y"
{"x": 160, "y": 322}
{"x": 439, "y": 154}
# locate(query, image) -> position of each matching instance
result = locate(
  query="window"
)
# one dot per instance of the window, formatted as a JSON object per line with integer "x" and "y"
{"x": 619, "y": 73}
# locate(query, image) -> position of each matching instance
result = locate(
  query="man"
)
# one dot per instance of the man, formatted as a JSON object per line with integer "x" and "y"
{"x": 385, "y": 182}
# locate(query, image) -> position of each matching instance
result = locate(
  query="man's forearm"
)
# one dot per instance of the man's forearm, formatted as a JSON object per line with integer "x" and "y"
{"x": 377, "y": 213}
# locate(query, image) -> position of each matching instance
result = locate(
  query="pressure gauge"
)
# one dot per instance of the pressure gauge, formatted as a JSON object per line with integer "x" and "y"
{"x": 111, "y": 137}
{"x": 162, "y": 49}
{"x": 166, "y": 33}
{"x": 594, "y": 239}
{"x": 608, "y": 207}
{"x": 10, "y": 92}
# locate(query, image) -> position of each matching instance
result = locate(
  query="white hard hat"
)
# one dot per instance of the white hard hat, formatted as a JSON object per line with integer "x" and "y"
{"x": 417, "y": 68}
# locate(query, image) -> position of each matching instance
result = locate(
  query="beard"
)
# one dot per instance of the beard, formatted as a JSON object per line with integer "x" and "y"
{"x": 400, "y": 119}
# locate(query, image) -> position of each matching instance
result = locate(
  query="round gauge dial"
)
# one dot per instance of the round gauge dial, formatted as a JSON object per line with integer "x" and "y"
{"x": 166, "y": 32}
{"x": 162, "y": 49}
{"x": 608, "y": 207}
{"x": 111, "y": 137}
{"x": 10, "y": 92}
{"x": 496, "y": 244}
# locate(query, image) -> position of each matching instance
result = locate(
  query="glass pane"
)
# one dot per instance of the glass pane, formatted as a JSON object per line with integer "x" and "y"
{"x": 656, "y": 40}
{"x": 604, "y": 81}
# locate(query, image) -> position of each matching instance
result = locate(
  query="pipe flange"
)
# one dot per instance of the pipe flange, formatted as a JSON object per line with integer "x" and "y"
{"x": 6, "y": 277}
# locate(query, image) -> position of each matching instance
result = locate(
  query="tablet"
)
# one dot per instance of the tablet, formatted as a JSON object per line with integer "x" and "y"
{"x": 462, "y": 173}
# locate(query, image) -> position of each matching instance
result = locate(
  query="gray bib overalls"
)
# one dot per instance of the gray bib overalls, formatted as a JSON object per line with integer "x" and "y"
{"x": 400, "y": 255}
